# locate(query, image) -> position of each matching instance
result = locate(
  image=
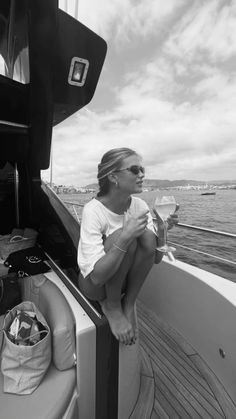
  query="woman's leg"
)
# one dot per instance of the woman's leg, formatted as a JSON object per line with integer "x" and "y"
{"x": 111, "y": 305}
{"x": 143, "y": 262}
{"x": 109, "y": 295}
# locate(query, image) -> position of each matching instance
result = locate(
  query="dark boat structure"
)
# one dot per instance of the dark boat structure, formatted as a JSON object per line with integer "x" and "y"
{"x": 208, "y": 193}
{"x": 184, "y": 363}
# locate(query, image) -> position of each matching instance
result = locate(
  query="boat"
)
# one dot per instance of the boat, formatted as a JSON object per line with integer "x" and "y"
{"x": 183, "y": 363}
{"x": 208, "y": 193}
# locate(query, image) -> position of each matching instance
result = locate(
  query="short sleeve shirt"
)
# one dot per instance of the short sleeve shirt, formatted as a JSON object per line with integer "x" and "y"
{"x": 97, "y": 222}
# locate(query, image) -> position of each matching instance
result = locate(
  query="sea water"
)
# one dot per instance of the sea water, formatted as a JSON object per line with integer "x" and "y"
{"x": 216, "y": 212}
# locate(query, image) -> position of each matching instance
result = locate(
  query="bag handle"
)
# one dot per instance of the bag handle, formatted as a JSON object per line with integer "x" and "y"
{"x": 17, "y": 238}
{"x": 31, "y": 336}
{"x": 13, "y": 316}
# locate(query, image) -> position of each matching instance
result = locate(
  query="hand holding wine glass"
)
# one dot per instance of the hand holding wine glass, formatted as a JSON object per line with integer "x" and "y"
{"x": 135, "y": 223}
{"x": 164, "y": 206}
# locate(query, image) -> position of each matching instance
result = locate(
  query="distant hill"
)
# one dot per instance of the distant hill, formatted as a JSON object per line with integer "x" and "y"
{"x": 165, "y": 183}
{"x": 91, "y": 186}
{"x": 159, "y": 183}
{"x": 223, "y": 182}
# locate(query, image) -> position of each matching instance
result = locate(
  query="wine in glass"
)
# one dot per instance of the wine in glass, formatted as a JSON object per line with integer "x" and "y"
{"x": 165, "y": 205}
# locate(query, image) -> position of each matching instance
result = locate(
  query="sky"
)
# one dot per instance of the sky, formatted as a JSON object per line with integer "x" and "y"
{"x": 167, "y": 90}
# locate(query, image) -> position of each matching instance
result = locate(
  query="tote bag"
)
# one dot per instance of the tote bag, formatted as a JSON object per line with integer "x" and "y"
{"x": 23, "y": 367}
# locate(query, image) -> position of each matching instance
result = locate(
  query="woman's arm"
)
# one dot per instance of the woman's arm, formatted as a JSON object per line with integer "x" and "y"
{"x": 108, "y": 264}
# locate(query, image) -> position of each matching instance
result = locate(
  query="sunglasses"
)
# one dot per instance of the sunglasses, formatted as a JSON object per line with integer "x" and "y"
{"x": 134, "y": 169}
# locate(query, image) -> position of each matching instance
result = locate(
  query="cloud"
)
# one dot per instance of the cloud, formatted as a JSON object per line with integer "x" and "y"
{"x": 124, "y": 19}
{"x": 172, "y": 101}
{"x": 206, "y": 27}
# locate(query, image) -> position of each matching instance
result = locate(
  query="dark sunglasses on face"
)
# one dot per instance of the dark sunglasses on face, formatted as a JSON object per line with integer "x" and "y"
{"x": 134, "y": 169}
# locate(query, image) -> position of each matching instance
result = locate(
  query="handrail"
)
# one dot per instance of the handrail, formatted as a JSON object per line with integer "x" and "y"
{"x": 73, "y": 203}
{"x": 207, "y": 230}
{"x": 203, "y": 253}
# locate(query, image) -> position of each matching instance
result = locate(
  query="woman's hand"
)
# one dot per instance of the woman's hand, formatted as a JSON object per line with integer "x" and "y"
{"x": 135, "y": 224}
{"x": 171, "y": 221}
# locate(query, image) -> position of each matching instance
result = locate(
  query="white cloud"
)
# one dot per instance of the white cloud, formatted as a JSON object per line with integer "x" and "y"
{"x": 124, "y": 19}
{"x": 175, "y": 107}
{"x": 208, "y": 27}
{"x": 142, "y": 19}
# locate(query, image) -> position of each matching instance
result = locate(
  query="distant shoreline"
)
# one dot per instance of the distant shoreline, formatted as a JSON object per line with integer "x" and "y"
{"x": 152, "y": 185}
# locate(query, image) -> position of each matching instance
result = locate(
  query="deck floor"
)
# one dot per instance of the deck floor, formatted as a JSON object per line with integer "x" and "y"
{"x": 176, "y": 383}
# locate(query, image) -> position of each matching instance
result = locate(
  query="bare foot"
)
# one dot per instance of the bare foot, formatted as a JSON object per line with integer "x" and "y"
{"x": 130, "y": 314}
{"x": 120, "y": 326}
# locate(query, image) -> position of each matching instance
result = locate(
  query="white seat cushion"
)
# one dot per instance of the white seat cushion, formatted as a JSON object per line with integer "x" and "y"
{"x": 48, "y": 401}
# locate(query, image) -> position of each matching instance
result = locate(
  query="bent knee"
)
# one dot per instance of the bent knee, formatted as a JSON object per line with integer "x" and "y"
{"x": 147, "y": 243}
{"x": 110, "y": 240}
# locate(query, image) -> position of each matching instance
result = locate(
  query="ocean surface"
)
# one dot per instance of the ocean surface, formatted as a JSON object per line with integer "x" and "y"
{"x": 216, "y": 212}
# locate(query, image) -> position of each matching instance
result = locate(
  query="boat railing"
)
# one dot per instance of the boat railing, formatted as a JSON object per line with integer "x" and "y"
{"x": 208, "y": 230}
{"x": 205, "y": 230}
{"x": 72, "y": 206}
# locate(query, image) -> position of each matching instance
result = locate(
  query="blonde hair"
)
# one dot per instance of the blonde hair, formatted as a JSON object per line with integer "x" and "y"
{"x": 110, "y": 162}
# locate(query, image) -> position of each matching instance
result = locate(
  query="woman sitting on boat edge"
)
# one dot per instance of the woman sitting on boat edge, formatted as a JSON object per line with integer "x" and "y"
{"x": 117, "y": 241}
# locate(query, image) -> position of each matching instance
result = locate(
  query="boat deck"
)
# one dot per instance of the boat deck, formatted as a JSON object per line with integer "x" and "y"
{"x": 175, "y": 382}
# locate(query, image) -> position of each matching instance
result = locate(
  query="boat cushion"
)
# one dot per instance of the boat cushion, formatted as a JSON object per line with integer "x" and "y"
{"x": 54, "y": 307}
{"x": 52, "y": 397}
{"x": 49, "y": 401}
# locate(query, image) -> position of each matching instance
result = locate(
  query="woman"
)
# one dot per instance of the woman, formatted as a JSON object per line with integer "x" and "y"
{"x": 117, "y": 243}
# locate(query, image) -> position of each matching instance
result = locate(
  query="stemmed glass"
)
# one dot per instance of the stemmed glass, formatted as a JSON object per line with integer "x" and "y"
{"x": 164, "y": 205}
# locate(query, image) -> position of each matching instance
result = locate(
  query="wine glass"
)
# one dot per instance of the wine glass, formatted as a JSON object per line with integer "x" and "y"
{"x": 165, "y": 205}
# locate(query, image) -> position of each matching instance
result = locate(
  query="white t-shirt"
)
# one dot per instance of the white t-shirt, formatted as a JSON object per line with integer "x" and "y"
{"x": 97, "y": 222}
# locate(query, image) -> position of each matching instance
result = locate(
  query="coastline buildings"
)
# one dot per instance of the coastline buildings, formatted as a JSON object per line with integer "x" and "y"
{"x": 62, "y": 189}
{"x": 205, "y": 187}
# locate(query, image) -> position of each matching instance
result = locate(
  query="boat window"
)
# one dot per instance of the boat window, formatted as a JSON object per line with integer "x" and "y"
{"x": 14, "y": 57}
